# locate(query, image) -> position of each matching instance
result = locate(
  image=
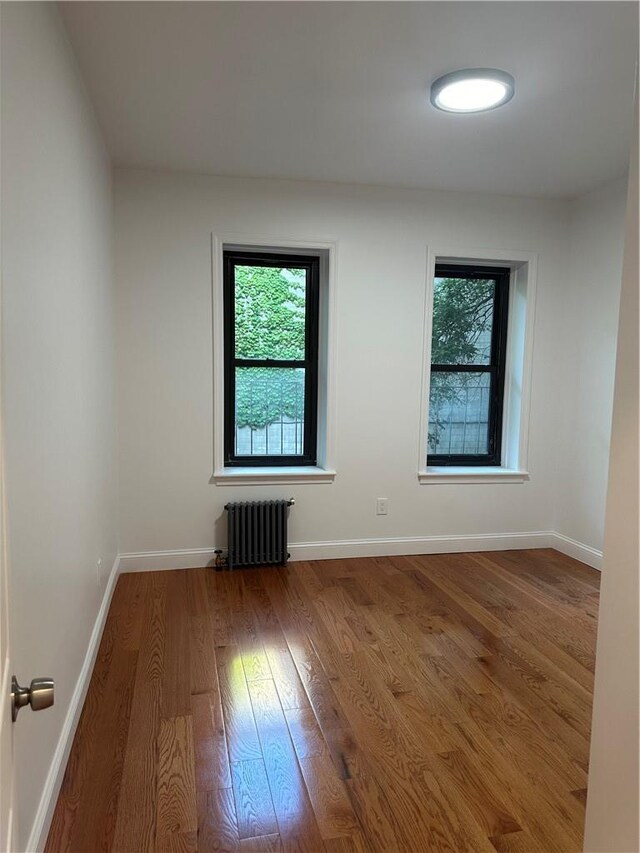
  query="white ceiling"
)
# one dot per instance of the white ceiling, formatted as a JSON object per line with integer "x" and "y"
{"x": 339, "y": 91}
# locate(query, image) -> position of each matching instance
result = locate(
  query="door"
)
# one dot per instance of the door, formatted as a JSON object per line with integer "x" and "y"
{"x": 7, "y": 806}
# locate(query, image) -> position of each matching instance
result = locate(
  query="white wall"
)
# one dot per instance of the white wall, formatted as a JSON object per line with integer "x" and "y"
{"x": 588, "y": 326}
{"x": 58, "y": 348}
{"x": 614, "y": 793}
{"x": 57, "y": 362}
{"x": 163, "y": 224}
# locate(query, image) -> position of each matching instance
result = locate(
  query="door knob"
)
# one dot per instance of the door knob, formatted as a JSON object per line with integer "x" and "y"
{"x": 39, "y": 695}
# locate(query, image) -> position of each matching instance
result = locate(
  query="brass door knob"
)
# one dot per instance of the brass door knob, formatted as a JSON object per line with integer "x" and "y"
{"x": 39, "y": 695}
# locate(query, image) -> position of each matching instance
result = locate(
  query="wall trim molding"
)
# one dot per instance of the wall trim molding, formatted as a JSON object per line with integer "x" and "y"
{"x": 157, "y": 561}
{"x": 520, "y": 333}
{"x": 416, "y": 545}
{"x": 42, "y": 821}
{"x": 327, "y": 250}
{"x": 192, "y": 558}
{"x": 578, "y": 550}
{"x": 189, "y": 558}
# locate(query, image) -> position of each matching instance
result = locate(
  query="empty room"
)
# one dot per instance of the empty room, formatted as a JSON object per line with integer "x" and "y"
{"x": 319, "y": 427}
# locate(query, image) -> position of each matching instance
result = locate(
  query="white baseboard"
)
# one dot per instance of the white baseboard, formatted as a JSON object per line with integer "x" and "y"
{"x": 191, "y": 558}
{"x": 157, "y": 561}
{"x": 585, "y": 553}
{"x": 44, "y": 815}
{"x": 188, "y": 558}
{"x": 416, "y": 545}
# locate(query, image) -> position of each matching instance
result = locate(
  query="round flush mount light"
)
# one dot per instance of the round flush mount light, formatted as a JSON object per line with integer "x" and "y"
{"x": 472, "y": 90}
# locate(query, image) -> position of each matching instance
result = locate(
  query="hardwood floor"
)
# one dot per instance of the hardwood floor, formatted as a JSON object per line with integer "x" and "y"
{"x": 435, "y": 703}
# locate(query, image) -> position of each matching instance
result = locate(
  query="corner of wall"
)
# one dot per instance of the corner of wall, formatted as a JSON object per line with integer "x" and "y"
{"x": 586, "y": 342}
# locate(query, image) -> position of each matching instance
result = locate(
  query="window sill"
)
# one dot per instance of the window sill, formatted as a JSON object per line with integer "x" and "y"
{"x": 469, "y": 474}
{"x": 272, "y": 476}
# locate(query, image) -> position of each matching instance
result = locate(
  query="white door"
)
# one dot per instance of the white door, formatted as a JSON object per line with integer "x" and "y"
{"x": 7, "y": 788}
{"x": 7, "y": 805}
{"x": 40, "y": 692}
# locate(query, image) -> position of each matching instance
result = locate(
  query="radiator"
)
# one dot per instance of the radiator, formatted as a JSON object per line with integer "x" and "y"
{"x": 257, "y": 533}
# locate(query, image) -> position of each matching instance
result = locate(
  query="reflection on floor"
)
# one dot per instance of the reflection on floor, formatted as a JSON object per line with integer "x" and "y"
{"x": 436, "y": 703}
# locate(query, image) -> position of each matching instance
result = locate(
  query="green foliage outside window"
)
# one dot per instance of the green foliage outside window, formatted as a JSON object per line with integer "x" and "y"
{"x": 265, "y": 395}
{"x": 462, "y": 314}
{"x": 269, "y": 323}
{"x": 462, "y": 322}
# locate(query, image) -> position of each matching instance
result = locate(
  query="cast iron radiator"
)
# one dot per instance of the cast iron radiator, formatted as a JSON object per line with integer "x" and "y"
{"x": 257, "y": 533}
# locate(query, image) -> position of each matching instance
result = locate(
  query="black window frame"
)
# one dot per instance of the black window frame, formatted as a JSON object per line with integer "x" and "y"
{"x": 311, "y": 263}
{"x": 496, "y": 367}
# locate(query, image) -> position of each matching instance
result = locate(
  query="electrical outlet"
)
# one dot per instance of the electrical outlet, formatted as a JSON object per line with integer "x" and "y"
{"x": 99, "y": 570}
{"x": 382, "y": 506}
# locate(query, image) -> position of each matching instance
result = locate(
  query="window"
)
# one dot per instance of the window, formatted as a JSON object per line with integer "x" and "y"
{"x": 468, "y": 357}
{"x": 271, "y": 306}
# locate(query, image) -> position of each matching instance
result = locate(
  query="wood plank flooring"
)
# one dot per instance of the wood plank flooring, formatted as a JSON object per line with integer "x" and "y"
{"x": 433, "y": 703}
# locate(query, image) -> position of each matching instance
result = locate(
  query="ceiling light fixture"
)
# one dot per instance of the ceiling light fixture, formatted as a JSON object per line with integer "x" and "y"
{"x": 472, "y": 90}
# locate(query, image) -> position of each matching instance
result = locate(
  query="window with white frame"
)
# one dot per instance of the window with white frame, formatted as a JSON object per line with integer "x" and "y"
{"x": 274, "y": 338}
{"x": 478, "y": 353}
